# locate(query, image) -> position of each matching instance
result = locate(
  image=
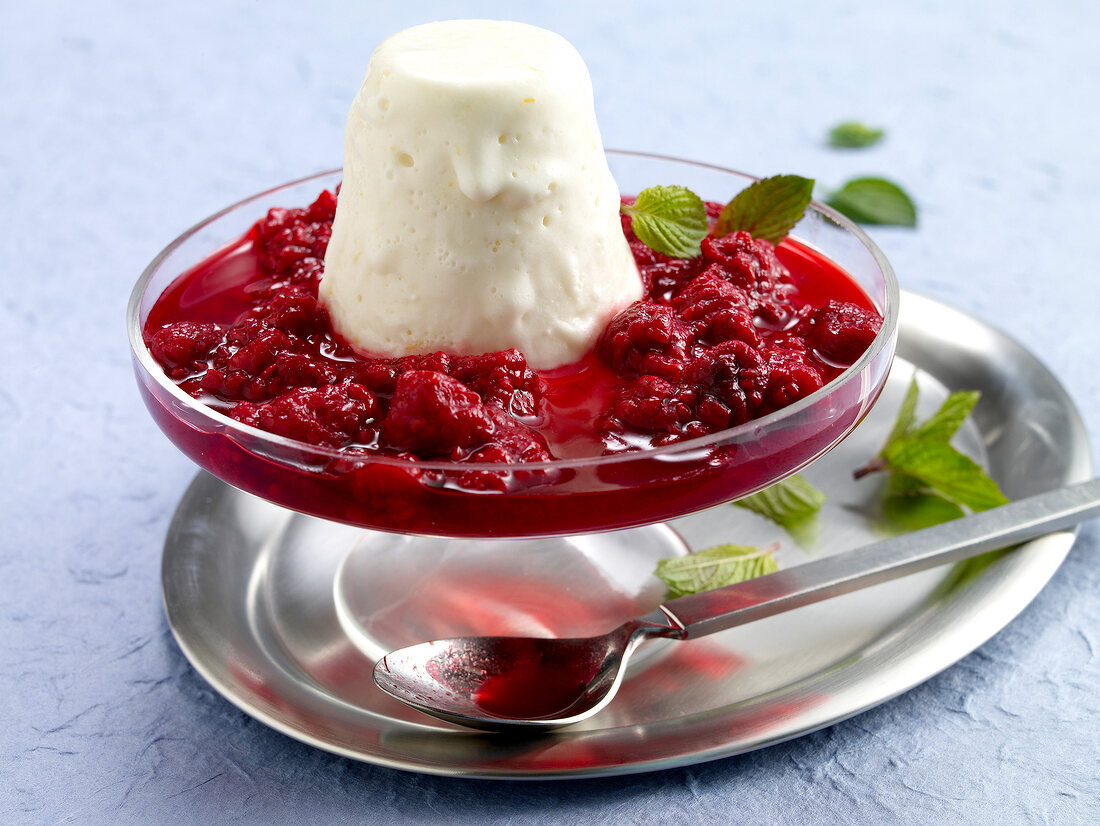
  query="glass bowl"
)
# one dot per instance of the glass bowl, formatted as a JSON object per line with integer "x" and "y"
{"x": 555, "y": 498}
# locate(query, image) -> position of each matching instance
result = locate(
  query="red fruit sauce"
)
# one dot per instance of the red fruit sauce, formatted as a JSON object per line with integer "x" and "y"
{"x": 538, "y": 683}
{"x": 520, "y": 678}
{"x": 739, "y": 332}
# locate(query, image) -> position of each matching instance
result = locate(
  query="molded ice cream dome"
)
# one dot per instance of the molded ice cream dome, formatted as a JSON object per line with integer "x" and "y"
{"x": 477, "y": 211}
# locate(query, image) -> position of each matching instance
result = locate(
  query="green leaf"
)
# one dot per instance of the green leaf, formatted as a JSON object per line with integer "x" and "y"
{"x": 669, "y": 219}
{"x": 767, "y": 209}
{"x": 907, "y": 414}
{"x": 713, "y": 568}
{"x": 945, "y": 469}
{"x": 853, "y": 135}
{"x": 943, "y": 424}
{"x": 903, "y": 484}
{"x": 920, "y": 510}
{"x": 786, "y": 503}
{"x": 929, "y": 480}
{"x": 874, "y": 201}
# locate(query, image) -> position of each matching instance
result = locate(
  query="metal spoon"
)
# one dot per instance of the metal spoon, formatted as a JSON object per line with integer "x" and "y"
{"x": 530, "y": 684}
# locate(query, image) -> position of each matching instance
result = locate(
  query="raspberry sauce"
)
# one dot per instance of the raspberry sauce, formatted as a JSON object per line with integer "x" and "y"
{"x": 534, "y": 685}
{"x": 739, "y": 332}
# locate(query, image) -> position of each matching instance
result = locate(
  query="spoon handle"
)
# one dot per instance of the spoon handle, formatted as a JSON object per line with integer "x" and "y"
{"x": 722, "y": 608}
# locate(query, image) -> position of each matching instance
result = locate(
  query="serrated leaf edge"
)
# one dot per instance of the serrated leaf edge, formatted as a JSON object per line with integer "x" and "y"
{"x": 738, "y": 556}
{"x": 767, "y": 208}
{"x": 676, "y": 231}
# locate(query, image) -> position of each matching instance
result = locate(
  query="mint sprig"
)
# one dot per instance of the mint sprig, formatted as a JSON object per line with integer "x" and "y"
{"x": 853, "y": 134}
{"x": 714, "y": 568}
{"x": 792, "y": 504}
{"x": 874, "y": 201}
{"x": 669, "y": 219}
{"x": 940, "y": 466}
{"x": 767, "y": 209}
{"x": 673, "y": 220}
{"x": 946, "y": 421}
{"x": 930, "y": 481}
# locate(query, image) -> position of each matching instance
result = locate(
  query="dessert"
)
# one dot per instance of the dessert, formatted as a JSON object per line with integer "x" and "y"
{"x": 738, "y": 332}
{"x": 477, "y": 211}
{"x": 268, "y": 332}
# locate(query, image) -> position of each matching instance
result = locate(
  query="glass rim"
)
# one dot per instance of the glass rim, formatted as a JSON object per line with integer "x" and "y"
{"x": 671, "y": 452}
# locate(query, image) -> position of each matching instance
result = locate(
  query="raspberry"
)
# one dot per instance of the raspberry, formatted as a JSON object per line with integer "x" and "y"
{"x": 323, "y": 210}
{"x": 709, "y": 291}
{"x": 724, "y": 309}
{"x": 307, "y": 270}
{"x": 791, "y": 377}
{"x": 292, "y": 242}
{"x": 186, "y": 345}
{"x": 750, "y": 263}
{"x": 294, "y": 311}
{"x": 647, "y": 338}
{"x": 502, "y": 379}
{"x": 432, "y": 414}
{"x": 841, "y": 331}
{"x": 512, "y": 444}
{"x": 381, "y": 375}
{"x": 655, "y": 405}
{"x": 665, "y": 278}
{"x": 438, "y": 362}
{"x": 733, "y": 376}
{"x": 723, "y": 386}
{"x": 260, "y": 352}
{"x": 299, "y": 370}
{"x": 330, "y": 416}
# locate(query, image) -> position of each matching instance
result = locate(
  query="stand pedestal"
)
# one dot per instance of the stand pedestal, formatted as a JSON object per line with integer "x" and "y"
{"x": 391, "y": 591}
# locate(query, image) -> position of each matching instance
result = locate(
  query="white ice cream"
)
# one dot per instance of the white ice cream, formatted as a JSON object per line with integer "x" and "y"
{"x": 477, "y": 211}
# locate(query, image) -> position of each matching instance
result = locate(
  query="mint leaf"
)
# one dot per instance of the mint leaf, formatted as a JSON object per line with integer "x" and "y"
{"x": 943, "y": 468}
{"x": 902, "y": 484}
{"x": 952, "y": 413}
{"x": 874, "y": 201}
{"x": 853, "y": 135}
{"x": 669, "y": 219}
{"x": 714, "y": 567}
{"x": 907, "y": 415}
{"x": 930, "y": 481}
{"x": 767, "y": 209}
{"x": 792, "y": 504}
{"x": 920, "y": 509}
{"x": 941, "y": 425}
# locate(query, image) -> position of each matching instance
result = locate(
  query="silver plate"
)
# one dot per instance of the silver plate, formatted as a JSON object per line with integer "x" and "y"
{"x": 268, "y": 606}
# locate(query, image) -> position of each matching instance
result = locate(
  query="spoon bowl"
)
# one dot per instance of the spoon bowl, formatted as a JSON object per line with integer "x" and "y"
{"x": 515, "y": 682}
{"x": 532, "y": 684}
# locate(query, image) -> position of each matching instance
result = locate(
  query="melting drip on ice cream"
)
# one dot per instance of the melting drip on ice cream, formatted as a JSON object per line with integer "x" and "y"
{"x": 477, "y": 211}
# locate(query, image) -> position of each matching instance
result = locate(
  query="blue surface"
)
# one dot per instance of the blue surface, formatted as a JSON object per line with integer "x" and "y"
{"x": 123, "y": 123}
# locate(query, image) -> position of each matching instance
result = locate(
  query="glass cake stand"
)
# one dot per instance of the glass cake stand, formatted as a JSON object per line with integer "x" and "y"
{"x": 409, "y": 554}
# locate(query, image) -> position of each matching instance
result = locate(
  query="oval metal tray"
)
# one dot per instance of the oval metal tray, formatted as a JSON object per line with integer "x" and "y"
{"x": 241, "y": 579}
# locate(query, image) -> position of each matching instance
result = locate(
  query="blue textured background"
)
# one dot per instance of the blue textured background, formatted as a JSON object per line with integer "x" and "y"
{"x": 123, "y": 123}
